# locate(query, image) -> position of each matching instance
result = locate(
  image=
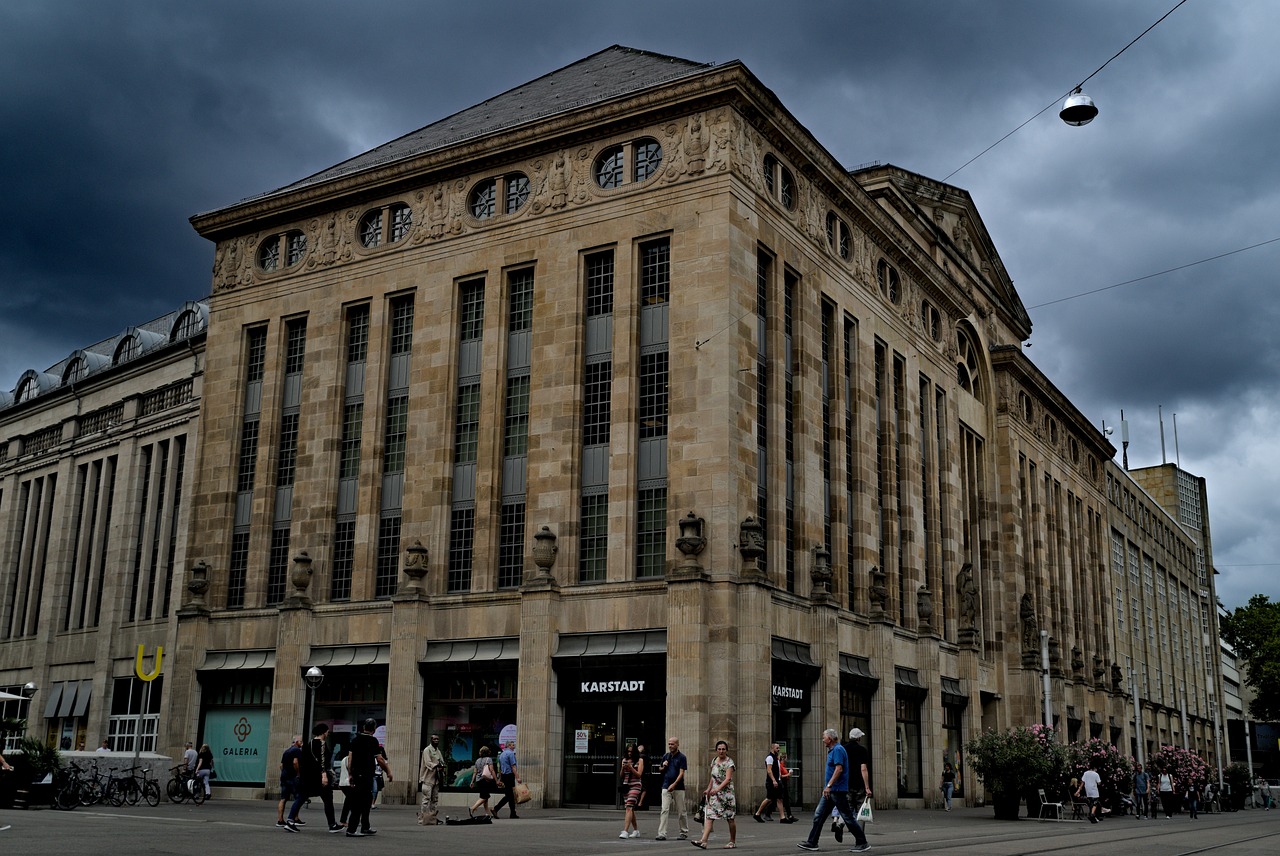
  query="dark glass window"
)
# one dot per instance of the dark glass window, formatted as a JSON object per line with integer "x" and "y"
{"x": 609, "y": 167}
{"x": 371, "y": 229}
{"x": 651, "y": 534}
{"x": 278, "y": 566}
{"x": 344, "y": 553}
{"x": 461, "y": 549}
{"x": 511, "y": 545}
{"x": 388, "y": 561}
{"x": 648, "y": 159}
{"x": 593, "y": 538}
{"x": 484, "y": 199}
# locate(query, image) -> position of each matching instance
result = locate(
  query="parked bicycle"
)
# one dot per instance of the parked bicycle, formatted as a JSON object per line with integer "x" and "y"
{"x": 184, "y": 785}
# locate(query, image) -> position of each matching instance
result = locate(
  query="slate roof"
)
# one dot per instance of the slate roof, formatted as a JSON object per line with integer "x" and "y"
{"x": 612, "y": 72}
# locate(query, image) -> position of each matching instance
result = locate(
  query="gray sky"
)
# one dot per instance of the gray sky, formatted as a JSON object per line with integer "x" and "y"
{"x": 120, "y": 120}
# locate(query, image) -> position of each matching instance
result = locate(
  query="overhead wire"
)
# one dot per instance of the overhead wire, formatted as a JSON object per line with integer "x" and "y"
{"x": 1068, "y": 92}
{"x": 1153, "y": 275}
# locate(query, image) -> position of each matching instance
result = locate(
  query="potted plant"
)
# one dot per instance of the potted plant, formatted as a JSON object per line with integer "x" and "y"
{"x": 1013, "y": 763}
{"x": 34, "y": 764}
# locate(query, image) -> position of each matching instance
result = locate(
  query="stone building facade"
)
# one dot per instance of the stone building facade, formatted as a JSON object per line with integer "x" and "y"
{"x": 615, "y": 408}
{"x": 96, "y": 466}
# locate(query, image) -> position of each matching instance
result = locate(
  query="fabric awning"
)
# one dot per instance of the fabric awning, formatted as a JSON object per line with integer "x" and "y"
{"x": 857, "y": 670}
{"x": 349, "y": 655}
{"x": 472, "y": 650}
{"x": 612, "y": 644}
{"x": 219, "y": 660}
{"x": 55, "y": 698}
{"x": 82, "y": 698}
{"x": 1072, "y": 716}
{"x": 1095, "y": 718}
{"x": 68, "y": 701}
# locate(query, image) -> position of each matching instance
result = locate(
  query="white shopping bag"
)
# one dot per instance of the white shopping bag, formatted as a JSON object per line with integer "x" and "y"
{"x": 864, "y": 813}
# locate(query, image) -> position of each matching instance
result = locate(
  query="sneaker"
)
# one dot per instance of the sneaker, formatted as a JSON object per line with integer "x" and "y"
{"x": 622, "y": 834}
{"x": 279, "y": 824}
{"x": 805, "y": 845}
{"x": 682, "y": 836}
{"x": 861, "y": 848}
{"x": 635, "y": 833}
{"x": 356, "y": 834}
{"x": 837, "y": 829}
{"x": 337, "y": 827}
{"x": 290, "y": 826}
{"x": 299, "y": 821}
{"x": 660, "y": 838}
{"x": 369, "y": 831}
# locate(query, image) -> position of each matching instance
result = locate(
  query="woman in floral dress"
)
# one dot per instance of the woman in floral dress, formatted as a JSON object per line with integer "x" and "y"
{"x": 721, "y": 802}
{"x": 632, "y": 784}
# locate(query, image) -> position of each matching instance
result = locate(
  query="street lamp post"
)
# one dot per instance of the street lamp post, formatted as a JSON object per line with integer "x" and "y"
{"x": 29, "y": 690}
{"x": 314, "y": 678}
{"x": 1044, "y": 675}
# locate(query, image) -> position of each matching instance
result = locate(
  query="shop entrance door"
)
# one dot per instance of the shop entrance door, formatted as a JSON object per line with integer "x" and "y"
{"x": 595, "y": 735}
{"x": 788, "y": 726}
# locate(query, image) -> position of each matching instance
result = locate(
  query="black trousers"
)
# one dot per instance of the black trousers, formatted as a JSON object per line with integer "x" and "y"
{"x": 360, "y": 800}
{"x": 509, "y": 795}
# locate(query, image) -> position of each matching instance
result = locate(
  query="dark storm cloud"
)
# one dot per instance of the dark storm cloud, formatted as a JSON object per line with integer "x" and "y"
{"x": 122, "y": 119}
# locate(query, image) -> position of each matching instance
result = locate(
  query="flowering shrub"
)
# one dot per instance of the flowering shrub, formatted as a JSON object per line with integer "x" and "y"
{"x": 1114, "y": 768}
{"x": 1183, "y": 765}
{"x": 1018, "y": 760}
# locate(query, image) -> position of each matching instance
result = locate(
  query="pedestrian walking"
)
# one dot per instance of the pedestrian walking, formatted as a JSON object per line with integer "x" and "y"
{"x": 290, "y": 785}
{"x": 631, "y": 783}
{"x": 948, "y": 783}
{"x": 835, "y": 794}
{"x": 317, "y": 773}
{"x": 483, "y": 780}
{"x": 1167, "y": 795}
{"x": 204, "y": 769}
{"x": 721, "y": 802}
{"x": 1141, "y": 791}
{"x": 364, "y": 756}
{"x": 430, "y": 773}
{"x": 510, "y": 776}
{"x": 1089, "y": 786}
{"x": 775, "y": 790}
{"x": 674, "y": 767}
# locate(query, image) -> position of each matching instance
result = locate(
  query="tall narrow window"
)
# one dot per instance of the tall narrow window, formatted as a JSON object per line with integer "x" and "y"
{"x": 764, "y": 276}
{"x": 357, "y": 349}
{"x": 597, "y": 409}
{"x": 466, "y": 435}
{"x": 651, "y": 476}
{"x": 286, "y": 460}
{"x": 791, "y": 404}
{"x": 515, "y": 434}
{"x": 395, "y": 434}
{"x": 851, "y": 476}
{"x": 237, "y": 567}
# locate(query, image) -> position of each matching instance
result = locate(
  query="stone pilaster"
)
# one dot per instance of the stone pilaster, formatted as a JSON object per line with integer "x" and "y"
{"x": 540, "y": 722}
{"x": 288, "y": 710}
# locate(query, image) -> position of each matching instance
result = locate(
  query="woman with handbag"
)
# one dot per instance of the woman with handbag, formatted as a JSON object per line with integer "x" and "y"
{"x": 483, "y": 779}
{"x": 721, "y": 802}
{"x": 631, "y": 786}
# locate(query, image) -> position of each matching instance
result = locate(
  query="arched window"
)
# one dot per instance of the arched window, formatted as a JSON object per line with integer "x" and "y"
{"x": 968, "y": 366}
{"x": 128, "y": 348}
{"x": 633, "y": 163}
{"x": 890, "y": 287}
{"x": 504, "y": 195}
{"x": 76, "y": 369}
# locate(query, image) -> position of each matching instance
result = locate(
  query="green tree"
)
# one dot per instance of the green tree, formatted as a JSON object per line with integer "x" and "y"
{"x": 1254, "y": 632}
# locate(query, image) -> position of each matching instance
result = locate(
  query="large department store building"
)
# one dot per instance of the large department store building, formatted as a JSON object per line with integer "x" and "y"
{"x": 96, "y": 465}
{"x": 615, "y": 408}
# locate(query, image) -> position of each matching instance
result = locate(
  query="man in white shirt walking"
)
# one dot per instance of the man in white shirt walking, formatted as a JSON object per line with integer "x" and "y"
{"x": 1089, "y": 783}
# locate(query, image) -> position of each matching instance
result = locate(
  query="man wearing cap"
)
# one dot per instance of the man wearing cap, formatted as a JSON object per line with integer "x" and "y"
{"x": 835, "y": 795}
{"x": 860, "y": 775}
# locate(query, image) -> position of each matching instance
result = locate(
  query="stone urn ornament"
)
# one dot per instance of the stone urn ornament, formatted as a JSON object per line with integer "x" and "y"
{"x": 820, "y": 574}
{"x": 924, "y": 607}
{"x": 416, "y": 557}
{"x": 544, "y": 553}
{"x": 691, "y": 542}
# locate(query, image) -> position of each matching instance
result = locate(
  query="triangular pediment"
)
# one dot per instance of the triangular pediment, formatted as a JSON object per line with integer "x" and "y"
{"x": 946, "y": 215}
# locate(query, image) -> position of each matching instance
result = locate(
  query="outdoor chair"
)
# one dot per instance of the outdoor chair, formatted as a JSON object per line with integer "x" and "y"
{"x": 1046, "y": 806}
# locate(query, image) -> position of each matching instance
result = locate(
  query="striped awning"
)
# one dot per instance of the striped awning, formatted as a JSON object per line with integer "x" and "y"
{"x": 622, "y": 644}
